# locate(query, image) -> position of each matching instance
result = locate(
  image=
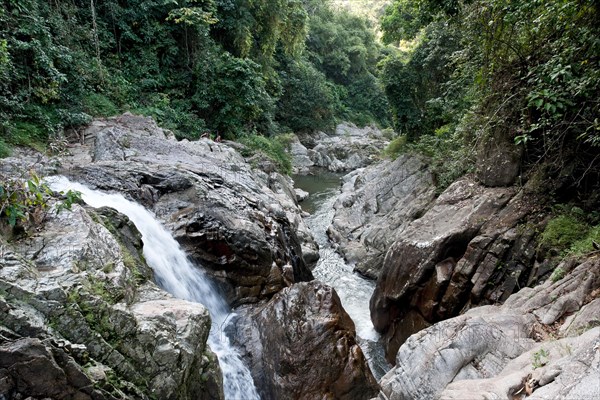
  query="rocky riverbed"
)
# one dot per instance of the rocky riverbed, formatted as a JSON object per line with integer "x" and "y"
{"x": 81, "y": 304}
{"x": 461, "y": 297}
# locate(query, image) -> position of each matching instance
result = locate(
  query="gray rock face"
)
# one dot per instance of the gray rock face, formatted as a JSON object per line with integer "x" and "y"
{"x": 30, "y": 367}
{"x": 82, "y": 319}
{"x": 375, "y": 207}
{"x": 347, "y": 149}
{"x": 243, "y": 229}
{"x": 301, "y": 161}
{"x": 302, "y": 345}
{"x": 471, "y": 247}
{"x": 509, "y": 351}
{"x": 498, "y": 160}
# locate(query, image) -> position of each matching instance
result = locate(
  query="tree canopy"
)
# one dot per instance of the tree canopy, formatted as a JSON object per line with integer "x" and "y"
{"x": 526, "y": 69}
{"x": 229, "y": 65}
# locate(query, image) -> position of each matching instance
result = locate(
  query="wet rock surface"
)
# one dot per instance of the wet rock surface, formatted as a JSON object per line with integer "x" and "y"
{"x": 302, "y": 345}
{"x": 81, "y": 318}
{"x": 244, "y": 226}
{"x": 542, "y": 343}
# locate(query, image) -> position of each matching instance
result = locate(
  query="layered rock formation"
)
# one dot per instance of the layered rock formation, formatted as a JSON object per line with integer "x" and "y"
{"x": 82, "y": 319}
{"x": 432, "y": 258}
{"x": 473, "y": 246}
{"x": 302, "y": 345}
{"x": 242, "y": 225}
{"x": 375, "y": 207}
{"x": 88, "y": 293}
{"x": 542, "y": 343}
{"x": 346, "y": 149}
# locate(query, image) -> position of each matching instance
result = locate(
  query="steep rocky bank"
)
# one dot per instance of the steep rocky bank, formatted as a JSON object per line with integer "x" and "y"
{"x": 223, "y": 213}
{"x": 433, "y": 257}
{"x": 458, "y": 299}
{"x": 81, "y": 318}
{"x": 107, "y": 330}
{"x": 542, "y": 343}
{"x": 312, "y": 342}
{"x": 374, "y": 208}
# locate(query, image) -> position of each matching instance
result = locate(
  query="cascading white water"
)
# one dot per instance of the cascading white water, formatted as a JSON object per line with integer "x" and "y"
{"x": 353, "y": 290}
{"x": 176, "y": 274}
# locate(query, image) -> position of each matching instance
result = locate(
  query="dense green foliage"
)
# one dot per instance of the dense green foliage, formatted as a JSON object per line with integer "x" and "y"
{"x": 572, "y": 232}
{"x": 527, "y": 70}
{"x": 233, "y": 66}
{"x": 475, "y": 69}
{"x": 273, "y": 148}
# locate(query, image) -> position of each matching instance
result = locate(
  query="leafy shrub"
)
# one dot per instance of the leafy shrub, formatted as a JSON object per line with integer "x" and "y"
{"x": 395, "y": 148}
{"x": 389, "y": 133}
{"x": 27, "y": 134}
{"x": 307, "y": 102}
{"x": 557, "y": 275}
{"x": 563, "y": 231}
{"x": 175, "y": 115}
{"x": 4, "y": 149}
{"x": 448, "y": 158}
{"x": 273, "y": 148}
{"x": 586, "y": 245}
{"x": 26, "y": 200}
{"x": 98, "y": 105}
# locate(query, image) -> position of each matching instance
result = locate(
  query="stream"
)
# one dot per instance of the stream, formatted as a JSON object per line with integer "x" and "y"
{"x": 354, "y": 290}
{"x": 177, "y": 275}
{"x": 174, "y": 272}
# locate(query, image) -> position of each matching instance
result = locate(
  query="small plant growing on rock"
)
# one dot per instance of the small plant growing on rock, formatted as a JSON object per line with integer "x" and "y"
{"x": 557, "y": 274}
{"x": 25, "y": 200}
{"x": 540, "y": 358}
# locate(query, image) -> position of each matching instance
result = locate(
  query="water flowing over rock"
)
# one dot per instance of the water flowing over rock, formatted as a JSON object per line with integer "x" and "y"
{"x": 243, "y": 229}
{"x": 82, "y": 319}
{"x": 347, "y": 149}
{"x": 542, "y": 343}
{"x": 374, "y": 208}
{"x": 174, "y": 273}
{"x": 302, "y": 345}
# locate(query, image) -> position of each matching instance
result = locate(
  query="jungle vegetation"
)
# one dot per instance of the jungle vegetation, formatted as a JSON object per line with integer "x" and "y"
{"x": 446, "y": 74}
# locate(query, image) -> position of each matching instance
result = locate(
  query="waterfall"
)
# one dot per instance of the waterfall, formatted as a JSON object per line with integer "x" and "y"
{"x": 175, "y": 273}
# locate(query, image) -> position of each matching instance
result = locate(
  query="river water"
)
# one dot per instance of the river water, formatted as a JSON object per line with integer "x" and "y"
{"x": 354, "y": 291}
{"x": 177, "y": 275}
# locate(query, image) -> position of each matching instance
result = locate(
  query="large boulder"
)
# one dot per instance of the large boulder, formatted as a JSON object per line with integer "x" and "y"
{"x": 302, "y": 345}
{"x": 42, "y": 369}
{"x": 301, "y": 161}
{"x": 81, "y": 317}
{"x": 474, "y": 246}
{"x": 543, "y": 343}
{"x": 240, "y": 224}
{"x": 374, "y": 208}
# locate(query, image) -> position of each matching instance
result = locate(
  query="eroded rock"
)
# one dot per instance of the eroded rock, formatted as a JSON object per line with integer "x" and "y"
{"x": 80, "y": 285}
{"x": 474, "y": 246}
{"x": 347, "y": 149}
{"x": 511, "y": 351}
{"x": 242, "y": 225}
{"x": 374, "y": 208}
{"x": 302, "y": 344}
